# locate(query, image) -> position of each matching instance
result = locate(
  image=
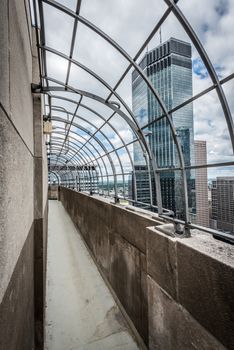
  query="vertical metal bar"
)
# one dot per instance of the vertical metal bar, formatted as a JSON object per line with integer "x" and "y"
{"x": 78, "y": 5}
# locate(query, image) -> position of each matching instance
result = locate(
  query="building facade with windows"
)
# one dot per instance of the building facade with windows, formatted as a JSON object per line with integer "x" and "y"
{"x": 223, "y": 203}
{"x": 201, "y": 184}
{"x": 169, "y": 67}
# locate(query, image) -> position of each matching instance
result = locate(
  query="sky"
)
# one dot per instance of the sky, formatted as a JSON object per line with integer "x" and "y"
{"x": 129, "y": 23}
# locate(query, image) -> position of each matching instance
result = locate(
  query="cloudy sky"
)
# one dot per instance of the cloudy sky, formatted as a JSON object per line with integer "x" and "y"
{"x": 129, "y": 23}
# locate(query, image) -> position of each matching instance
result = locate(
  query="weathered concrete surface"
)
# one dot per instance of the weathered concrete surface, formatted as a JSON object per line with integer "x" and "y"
{"x": 144, "y": 326}
{"x": 161, "y": 261}
{"x": 20, "y": 68}
{"x": 4, "y": 66}
{"x": 81, "y": 312}
{"x": 132, "y": 226}
{"x": 53, "y": 192}
{"x": 119, "y": 253}
{"x": 16, "y": 166}
{"x": 206, "y": 284}
{"x": 17, "y": 192}
{"x": 125, "y": 276}
{"x": 172, "y": 327}
{"x": 40, "y": 219}
{"x": 177, "y": 292}
{"x": 16, "y": 209}
{"x": 198, "y": 293}
{"x": 17, "y": 306}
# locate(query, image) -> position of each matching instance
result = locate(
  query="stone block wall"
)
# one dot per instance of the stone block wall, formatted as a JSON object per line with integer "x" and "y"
{"x": 22, "y": 204}
{"x": 177, "y": 292}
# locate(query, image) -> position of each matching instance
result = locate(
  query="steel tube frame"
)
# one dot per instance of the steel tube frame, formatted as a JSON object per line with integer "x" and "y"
{"x": 106, "y": 121}
{"x": 147, "y": 81}
{"x": 93, "y": 135}
{"x": 90, "y": 160}
{"x": 81, "y": 155}
{"x": 217, "y": 85}
{"x": 135, "y": 128}
{"x": 96, "y": 150}
{"x": 98, "y": 141}
{"x": 129, "y": 121}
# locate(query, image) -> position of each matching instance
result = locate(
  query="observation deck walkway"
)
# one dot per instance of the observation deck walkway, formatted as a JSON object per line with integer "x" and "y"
{"x": 80, "y": 310}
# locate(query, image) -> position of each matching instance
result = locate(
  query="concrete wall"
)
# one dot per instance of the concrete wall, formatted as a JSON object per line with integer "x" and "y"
{"x": 18, "y": 167}
{"x": 53, "y": 191}
{"x": 177, "y": 292}
{"x": 40, "y": 220}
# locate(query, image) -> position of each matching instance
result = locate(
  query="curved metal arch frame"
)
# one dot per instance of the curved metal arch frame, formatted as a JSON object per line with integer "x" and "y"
{"x": 65, "y": 173}
{"x": 93, "y": 135}
{"x": 63, "y": 177}
{"x": 55, "y": 141}
{"x": 106, "y": 121}
{"x": 64, "y": 110}
{"x": 132, "y": 123}
{"x": 71, "y": 150}
{"x": 124, "y": 146}
{"x": 171, "y": 7}
{"x": 82, "y": 156}
{"x": 103, "y": 134}
{"x": 56, "y": 175}
{"x": 134, "y": 128}
{"x": 100, "y": 155}
{"x": 90, "y": 160}
{"x": 85, "y": 162}
{"x": 63, "y": 157}
{"x": 154, "y": 165}
{"x": 112, "y": 92}
{"x": 100, "y": 143}
{"x": 60, "y": 161}
{"x": 95, "y": 158}
{"x": 148, "y": 83}
{"x": 58, "y": 119}
{"x": 55, "y": 144}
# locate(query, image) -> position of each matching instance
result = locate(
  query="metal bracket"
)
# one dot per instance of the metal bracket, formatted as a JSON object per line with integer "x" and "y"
{"x": 35, "y": 88}
{"x": 182, "y": 231}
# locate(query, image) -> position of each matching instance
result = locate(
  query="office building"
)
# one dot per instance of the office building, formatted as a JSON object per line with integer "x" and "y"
{"x": 201, "y": 184}
{"x": 169, "y": 67}
{"x": 223, "y": 203}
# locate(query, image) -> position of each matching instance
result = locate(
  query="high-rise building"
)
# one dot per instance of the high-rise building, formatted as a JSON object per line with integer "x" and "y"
{"x": 223, "y": 203}
{"x": 201, "y": 184}
{"x": 169, "y": 67}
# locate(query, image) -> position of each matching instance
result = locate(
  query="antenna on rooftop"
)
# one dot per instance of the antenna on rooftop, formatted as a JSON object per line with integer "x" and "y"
{"x": 160, "y": 35}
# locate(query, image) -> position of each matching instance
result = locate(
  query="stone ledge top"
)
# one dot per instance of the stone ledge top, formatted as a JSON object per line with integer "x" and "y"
{"x": 206, "y": 244}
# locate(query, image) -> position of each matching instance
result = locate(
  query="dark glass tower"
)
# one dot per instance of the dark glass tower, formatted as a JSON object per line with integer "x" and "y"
{"x": 169, "y": 67}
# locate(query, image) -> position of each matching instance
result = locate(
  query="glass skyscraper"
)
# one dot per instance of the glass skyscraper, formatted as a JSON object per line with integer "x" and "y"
{"x": 169, "y": 67}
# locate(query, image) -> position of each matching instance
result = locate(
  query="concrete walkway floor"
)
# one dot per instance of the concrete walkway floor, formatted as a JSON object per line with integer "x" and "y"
{"x": 81, "y": 312}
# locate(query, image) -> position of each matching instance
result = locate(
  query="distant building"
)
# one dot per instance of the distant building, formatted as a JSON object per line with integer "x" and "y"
{"x": 223, "y": 203}
{"x": 169, "y": 67}
{"x": 201, "y": 185}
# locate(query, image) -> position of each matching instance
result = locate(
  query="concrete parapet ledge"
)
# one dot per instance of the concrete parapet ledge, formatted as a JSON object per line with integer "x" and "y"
{"x": 198, "y": 275}
{"x": 178, "y": 292}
